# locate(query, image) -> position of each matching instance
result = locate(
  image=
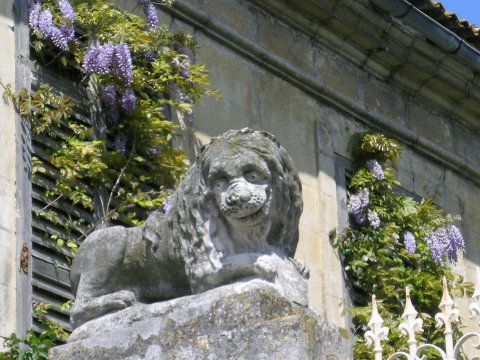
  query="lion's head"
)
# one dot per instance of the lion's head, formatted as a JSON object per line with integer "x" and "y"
{"x": 242, "y": 183}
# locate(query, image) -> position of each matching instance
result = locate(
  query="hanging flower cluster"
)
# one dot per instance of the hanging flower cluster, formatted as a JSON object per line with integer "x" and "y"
{"x": 109, "y": 58}
{"x": 120, "y": 143}
{"x": 113, "y": 104}
{"x": 358, "y": 204}
{"x": 409, "y": 242}
{"x": 182, "y": 66}
{"x": 445, "y": 241}
{"x": 114, "y": 59}
{"x": 150, "y": 13}
{"x": 376, "y": 169}
{"x": 373, "y": 219}
{"x": 180, "y": 96}
{"x": 42, "y": 19}
{"x": 358, "y": 207}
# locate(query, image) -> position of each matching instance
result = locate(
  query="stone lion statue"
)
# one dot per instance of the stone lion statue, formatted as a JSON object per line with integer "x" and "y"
{"x": 234, "y": 217}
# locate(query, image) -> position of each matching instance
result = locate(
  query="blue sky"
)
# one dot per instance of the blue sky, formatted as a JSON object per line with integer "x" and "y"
{"x": 465, "y": 9}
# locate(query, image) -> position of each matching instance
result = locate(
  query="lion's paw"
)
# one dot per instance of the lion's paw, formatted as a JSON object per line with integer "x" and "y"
{"x": 122, "y": 299}
{"x": 266, "y": 266}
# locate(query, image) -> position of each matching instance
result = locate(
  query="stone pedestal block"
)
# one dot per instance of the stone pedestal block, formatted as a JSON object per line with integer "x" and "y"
{"x": 244, "y": 320}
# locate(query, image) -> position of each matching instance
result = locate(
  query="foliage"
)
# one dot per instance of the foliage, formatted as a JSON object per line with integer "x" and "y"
{"x": 390, "y": 245}
{"x": 111, "y": 152}
{"x": 34, "y": 345}
{"x": 138, "y": 73}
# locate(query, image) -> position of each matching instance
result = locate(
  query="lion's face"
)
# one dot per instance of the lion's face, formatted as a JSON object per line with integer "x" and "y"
{"x": 241, "y": 183}
{"x": 242, "y": 193}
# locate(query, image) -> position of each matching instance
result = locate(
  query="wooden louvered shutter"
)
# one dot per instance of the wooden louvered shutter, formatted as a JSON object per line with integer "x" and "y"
{"x": 50, "y": 263}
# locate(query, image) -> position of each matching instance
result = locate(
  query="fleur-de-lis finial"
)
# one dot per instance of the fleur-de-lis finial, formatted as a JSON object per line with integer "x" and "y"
{"x": 475, "y": 305}
{"x": 446, "y": 318}
{"x": 377, "y": 332}
{"x": 411, "y": 325}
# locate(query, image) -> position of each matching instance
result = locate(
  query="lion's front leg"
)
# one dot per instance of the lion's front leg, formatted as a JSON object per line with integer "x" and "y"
{"x": 91, "y": 308}
{"x": 234, "y": 267}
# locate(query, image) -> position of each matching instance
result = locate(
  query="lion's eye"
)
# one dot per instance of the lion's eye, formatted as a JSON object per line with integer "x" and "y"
{"x": 220, "y": 183}
{"x": 253, "y": 176}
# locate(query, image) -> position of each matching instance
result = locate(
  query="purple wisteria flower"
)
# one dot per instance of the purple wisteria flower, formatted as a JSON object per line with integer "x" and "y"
{"x": 376, "y": 169}
{"x": 185, "y": 73}
{"x": 120, "y": 143}
{"x": 108, "y": 57}
{"x": 59, "y": 39}
{"x": 68, "y": 31}
{"x": 453, "y": 242}
{"x": 445, "y": 241}
{"x": 457, "y": 237}
{"x": 104, "y": 58}
{"x": 182, "y": 65}
{"x": 373, "y": 219}
{"x": 109, "y": 95}
{"x": 34, "y": 14}
{"x": 128, "y": 101}
{"x": 178, "y": 95}
{"x": 357, "y": 206}
{"x": 110, "y": 101}
{"x": 122, "y": 62}
{"x": 409, "y": 242}
{"x": 90, "y": 60}
{"x": 436, "y": 248}
{"x": 43, "y": 21}
{"x": 66, "y": 10}
{"x": 151, "y": 14}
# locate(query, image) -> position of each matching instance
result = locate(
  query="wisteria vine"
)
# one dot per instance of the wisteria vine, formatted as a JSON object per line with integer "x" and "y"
{"x": 139, "y": 71}
{"x": 444, "y": 242}
{"x": 140, "y": 75}
{"x": 393, "y": 241}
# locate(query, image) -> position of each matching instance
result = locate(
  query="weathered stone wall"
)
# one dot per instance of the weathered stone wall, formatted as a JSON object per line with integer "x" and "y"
{"x": 313, "y": 74}
{"x": 8, "y": 246}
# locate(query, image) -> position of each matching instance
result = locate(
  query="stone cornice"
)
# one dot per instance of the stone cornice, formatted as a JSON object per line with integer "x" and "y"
{"x": 387, "y": 49}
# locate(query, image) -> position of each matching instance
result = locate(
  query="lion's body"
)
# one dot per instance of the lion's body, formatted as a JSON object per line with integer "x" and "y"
{"x": 235, "y": 215}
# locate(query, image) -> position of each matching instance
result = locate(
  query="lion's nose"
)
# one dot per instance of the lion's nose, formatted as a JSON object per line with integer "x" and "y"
{"x": 232, "y": 199}
{"x": 237, "y": 196}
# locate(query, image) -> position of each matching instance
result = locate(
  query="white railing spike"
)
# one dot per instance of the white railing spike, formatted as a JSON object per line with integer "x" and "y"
{"x": 447, "y": 316}
{"x": 377, "y": 332}
{"x": 475, "y": 305}
{"x": 411, "y": 325}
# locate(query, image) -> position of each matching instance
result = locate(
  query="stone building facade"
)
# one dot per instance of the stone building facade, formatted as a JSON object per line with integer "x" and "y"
{"x": 313, "y": 73}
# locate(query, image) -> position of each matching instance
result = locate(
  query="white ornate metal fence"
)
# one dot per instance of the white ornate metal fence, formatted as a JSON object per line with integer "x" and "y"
{"x": 412, "y": 325}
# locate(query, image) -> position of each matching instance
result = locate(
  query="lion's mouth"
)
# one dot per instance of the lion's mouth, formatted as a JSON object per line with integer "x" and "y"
{"x": 250, "y": 217}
